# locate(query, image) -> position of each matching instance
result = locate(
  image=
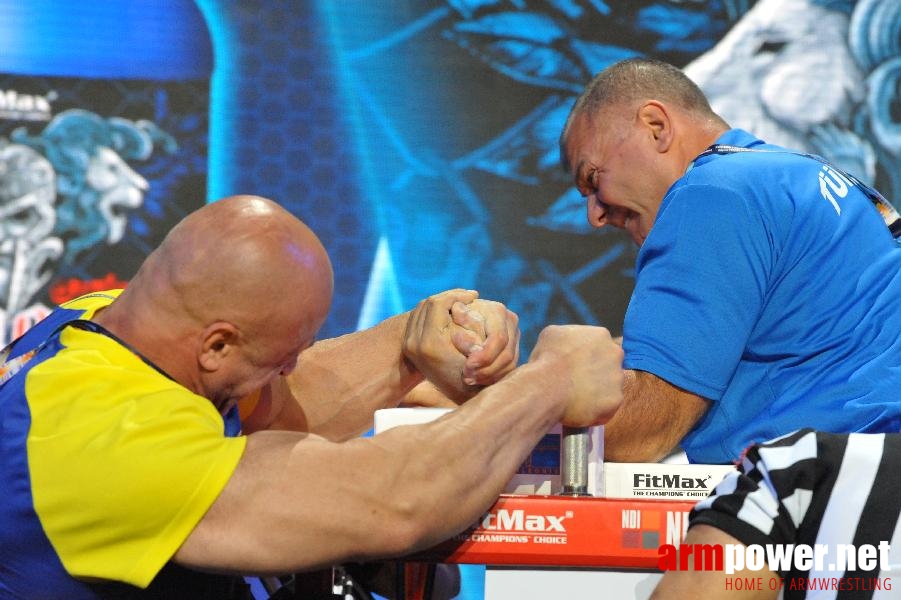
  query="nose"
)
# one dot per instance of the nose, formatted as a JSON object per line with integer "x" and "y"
{"x": 597, "y": 211}
{"x": 600, "y": 213}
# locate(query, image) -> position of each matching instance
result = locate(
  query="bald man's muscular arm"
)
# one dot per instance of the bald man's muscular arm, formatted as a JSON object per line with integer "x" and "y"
{"x": 339, "y": 383}
{"x": 654, "y": 417}
{"x": 298, "y": 501}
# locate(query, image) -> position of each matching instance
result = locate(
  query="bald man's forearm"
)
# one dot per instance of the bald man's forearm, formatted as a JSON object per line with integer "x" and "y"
{"x": 340, "y": 382}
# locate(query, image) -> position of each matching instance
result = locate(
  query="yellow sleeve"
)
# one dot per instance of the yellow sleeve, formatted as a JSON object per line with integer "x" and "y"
{"x": 119, "y": 482}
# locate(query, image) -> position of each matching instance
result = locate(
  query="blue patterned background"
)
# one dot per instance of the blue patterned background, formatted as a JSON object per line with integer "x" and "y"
{"x": 419, "y": 139}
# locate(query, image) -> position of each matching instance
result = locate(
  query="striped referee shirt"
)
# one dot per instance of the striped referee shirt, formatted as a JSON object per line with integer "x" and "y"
{"x": 815, "y": 488}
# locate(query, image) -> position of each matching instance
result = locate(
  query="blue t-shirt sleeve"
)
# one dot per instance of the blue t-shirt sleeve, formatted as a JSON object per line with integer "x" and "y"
{"x": 701, "y": 279}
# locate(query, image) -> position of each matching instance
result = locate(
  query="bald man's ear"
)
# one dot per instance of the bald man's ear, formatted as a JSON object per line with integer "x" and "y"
{"x": 219, "y": 341}
{"x": 656, "y": 119}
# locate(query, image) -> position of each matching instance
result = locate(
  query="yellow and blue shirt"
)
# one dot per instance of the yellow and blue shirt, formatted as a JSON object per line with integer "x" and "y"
{"x": 107, "y": 464}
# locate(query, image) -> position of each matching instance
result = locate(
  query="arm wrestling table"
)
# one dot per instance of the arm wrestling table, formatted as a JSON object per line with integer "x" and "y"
{"x": 561, "y": 547}
{"x": 570, "y": 545}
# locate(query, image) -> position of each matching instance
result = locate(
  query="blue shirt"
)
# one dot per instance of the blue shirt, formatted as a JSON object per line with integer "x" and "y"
{"x": 770, "y": 287}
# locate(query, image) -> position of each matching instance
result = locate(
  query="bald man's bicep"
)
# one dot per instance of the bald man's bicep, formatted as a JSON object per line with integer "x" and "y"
{"x": 294, "y": 502}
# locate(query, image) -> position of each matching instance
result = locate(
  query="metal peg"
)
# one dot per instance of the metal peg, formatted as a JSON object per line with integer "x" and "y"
{"x": 574, "y": 462}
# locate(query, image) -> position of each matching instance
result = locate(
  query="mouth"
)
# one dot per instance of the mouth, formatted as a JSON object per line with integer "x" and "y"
{"x": 633, "y": 226}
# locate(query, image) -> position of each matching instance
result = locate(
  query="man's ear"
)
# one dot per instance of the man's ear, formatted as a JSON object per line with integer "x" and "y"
{"x": 654, "y": 116}
{"x": 219, "y": 340}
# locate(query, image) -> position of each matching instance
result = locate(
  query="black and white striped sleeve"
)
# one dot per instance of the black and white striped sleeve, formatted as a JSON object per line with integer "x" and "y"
{"x": 811, "y": 488}
{"x": 766, "y": 499}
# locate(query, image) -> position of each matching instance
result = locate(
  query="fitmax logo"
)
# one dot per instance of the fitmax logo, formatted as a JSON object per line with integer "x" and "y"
{"x": 676, "y": 482}
{"x": 518, "y": 520}
{"x": 28, "y": 107}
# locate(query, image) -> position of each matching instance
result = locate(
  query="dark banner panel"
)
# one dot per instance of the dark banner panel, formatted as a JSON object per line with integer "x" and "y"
{"x": 104, "y": 112}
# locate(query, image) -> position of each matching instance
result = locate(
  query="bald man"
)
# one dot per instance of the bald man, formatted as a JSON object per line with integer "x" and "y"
{"x": 115, "y": 455}
{"x": 767, "y": 285}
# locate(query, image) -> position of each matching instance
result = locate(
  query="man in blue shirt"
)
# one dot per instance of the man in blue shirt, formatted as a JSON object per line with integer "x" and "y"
{"x": 766, "y": 285}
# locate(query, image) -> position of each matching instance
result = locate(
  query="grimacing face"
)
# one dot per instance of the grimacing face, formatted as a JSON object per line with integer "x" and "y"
{"x": 608, "y": 166}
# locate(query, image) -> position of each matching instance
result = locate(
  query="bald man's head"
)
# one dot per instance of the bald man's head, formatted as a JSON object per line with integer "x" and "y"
{"x": 240, "y": 277}
{"x": 240, "y": 251}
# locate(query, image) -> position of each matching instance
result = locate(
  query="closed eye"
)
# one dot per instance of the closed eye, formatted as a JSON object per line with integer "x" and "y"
{"x": 590, "y": 185}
